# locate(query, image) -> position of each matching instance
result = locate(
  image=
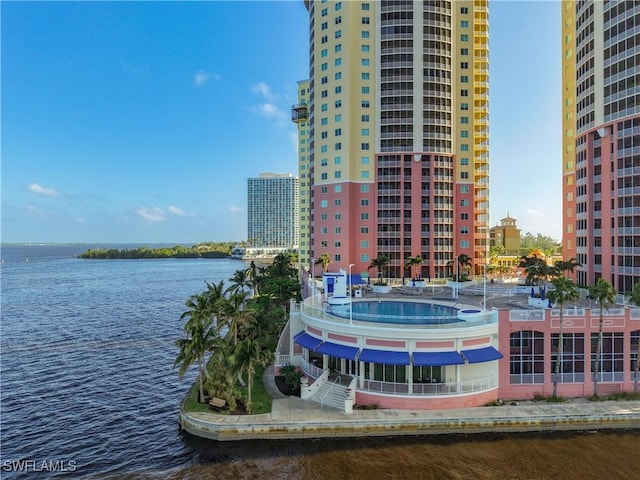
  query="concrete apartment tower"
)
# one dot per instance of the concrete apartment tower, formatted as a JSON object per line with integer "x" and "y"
{"x": 398, "y": 133}
{"x": 272, "y": 215}
{"x": 601, "y": 140}
{"x": 300, "y": 116}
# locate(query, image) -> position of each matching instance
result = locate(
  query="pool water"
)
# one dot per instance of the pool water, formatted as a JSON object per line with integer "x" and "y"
{"x": 400, "y": 313}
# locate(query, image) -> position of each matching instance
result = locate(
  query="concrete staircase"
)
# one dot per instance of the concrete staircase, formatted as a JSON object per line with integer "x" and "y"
{"x": 332, "y": 394}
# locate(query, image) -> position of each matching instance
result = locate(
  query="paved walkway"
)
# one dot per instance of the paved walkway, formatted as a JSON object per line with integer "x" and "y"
{"x": 293, "y": 418}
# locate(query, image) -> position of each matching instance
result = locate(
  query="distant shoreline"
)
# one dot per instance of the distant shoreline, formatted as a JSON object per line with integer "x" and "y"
{"x": 201, "y": 250}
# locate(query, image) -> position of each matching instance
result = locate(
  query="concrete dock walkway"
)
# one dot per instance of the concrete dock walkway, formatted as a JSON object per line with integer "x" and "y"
{"x": 293, "y": 418}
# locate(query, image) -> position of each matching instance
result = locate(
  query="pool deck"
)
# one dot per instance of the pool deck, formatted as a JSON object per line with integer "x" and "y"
{"x": 293, "y": 418}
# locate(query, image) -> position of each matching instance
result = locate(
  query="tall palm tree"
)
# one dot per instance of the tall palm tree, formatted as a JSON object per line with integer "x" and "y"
{"x": 234, "y": 313}
{"x": 379, "y": 263}
{"x": 249, "y": 354}
{"x": 198, "y": 340}
{"x": 603, "y": 293}
{"x": 252, "y": 274}
{"x": 240, "y": 281}
{"x": 564, "y": 291}
{"x": 634, "y": 298}
{"x": 539, "y": 271}
{"x": 464, "y": 262}
{"x": 323, "y": 260}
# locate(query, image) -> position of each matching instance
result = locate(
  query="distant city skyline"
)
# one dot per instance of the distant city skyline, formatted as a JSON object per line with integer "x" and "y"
{"x": 140, "y": 122}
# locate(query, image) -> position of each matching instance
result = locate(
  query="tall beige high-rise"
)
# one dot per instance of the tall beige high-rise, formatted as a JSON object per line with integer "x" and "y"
{"x": 601, "y": 140}
{"x": 398, "y": 134}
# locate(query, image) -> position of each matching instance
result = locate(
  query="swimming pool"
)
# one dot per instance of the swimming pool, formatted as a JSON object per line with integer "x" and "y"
{"x": 400, "y": 313}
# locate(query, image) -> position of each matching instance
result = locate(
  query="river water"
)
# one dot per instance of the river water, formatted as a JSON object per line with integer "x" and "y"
{"x": 88, "y": 390}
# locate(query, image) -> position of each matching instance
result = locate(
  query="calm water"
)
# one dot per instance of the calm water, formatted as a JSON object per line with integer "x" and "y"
{"x": 87, "y": 385}
{"x": 406, "y": 313}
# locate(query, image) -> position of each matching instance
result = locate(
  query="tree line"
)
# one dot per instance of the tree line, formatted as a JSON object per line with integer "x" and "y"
{"x": 199, "y": 250}
{"x": 230, "y": 331}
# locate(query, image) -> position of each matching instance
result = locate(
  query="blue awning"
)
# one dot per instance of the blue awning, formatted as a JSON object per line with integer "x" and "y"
{"x": 337, "y": 350}
{"x": 479, "y": 355}
{"x": 386, "y": 357}
{"x": 307, "y": 341}
{"x": 355, "y": 280}
{"x": 437, "y": 358}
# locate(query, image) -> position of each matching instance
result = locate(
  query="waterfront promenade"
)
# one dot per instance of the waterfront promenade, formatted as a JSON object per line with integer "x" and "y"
{"x": 293, "y": 418}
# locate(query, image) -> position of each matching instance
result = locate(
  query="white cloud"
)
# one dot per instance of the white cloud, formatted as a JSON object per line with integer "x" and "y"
{"x": 264, "y": 90}
{"x": 154, "y": 214}
{"x": 177, "y": 211}
{"x": 201, "y": 77}
{"x": 40, "y": 190}
{"x": 235, "y": 210}
{"x": 270, "y": 110}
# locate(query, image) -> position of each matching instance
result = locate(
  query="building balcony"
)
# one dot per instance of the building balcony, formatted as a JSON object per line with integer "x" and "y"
{"x": 299, "y": 113}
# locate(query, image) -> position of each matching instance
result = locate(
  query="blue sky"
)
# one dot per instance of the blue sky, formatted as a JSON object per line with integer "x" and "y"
{"x": 140, "y": 122}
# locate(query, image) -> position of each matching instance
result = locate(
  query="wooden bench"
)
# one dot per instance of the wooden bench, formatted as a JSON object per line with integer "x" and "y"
{"x": 217, "y": 402}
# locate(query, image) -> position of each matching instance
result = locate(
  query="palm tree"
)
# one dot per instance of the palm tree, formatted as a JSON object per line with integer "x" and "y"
{"x": 634, "y": 298}
{"x": 248, "y": 355}
{"x": 199, "y": 338}
{"x": 605, "y": 295}
{"x": 240, "y": 281}
{"x": 252, "y": 274}
{"x": 462, "y": 264}
{"x": 539, "y": 271}
{"x": 564, "y": 291}
{"x": 323, "y": 260}
{"x": 379, "y": 263}
{"x": 567, "y": 265}
{"x": 233, "y": 312}
{"x": 414, "y": 262}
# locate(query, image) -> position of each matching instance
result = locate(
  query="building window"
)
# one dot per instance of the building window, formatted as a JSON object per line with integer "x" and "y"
{"x": 526, "y": 357}
{"x": 464, "y": 10}
{"x": 338, "y": 5}
{"x": 365, "y": 161}
{"x": 364, "y": 188}
{"x": 337, "y": 174}
{"x": 364, "y": 230}
{"x": 337, "y": 257}
{"x": 323, "y": 162}
{"x": 365, "y": 34}
{"x": 464, "y": 133}
{"x": 464, "y": 106}
{"x": 338, "y": 20}
{"x": 364, "y": 146}
{"x": 338, "y": 89}
{"x": 464, "y": 188}
{"x": 337, "y": 244}
{"x": 464, "y": 65}
{"x": 464, "y": 51}
{"x": 364, "y": 216}
{"x": 324, "y": 52}
{"x": 364, "y": 132}
{"x": 325, "y": 39}
{"x": 464, "y": 216}
{"x": 464, "y": 147}
{"x": 364, "y": 202}
{"x": 572, "y": 364}
{"x": 338, "y": 76}
{"x": 464, "y": 230}
{"x": 324, "y": 12}
{"x": 364, "y": 258}
{"x": 464, "y": 175}
{"x": 338, "y": 33}
{"x": 464, "y": 79}
{"x": 364, "y": 174}
{"x": 337, "y": 132}
{"x": 364, "y": 48}
{"x": 323, "y": 176}
{"x": 611, "y": 365}
{"x": 337, "y": 62}
{"x": 365, "y": 20}
{"x": 464, "y": 244}
{"x": 464, "y": 120}
{"x": 365, "y": 62}
{"x": 464, "y": 93}
{"x": 338, "y": 146}
{"x": 364, "y": 243}
{"x": 337, "y": 202}
{"x": 337, "y": 188}
{"x": 337, "y": 118}
{"x": 365, "y": 90}
{"x": 364, "y": 118}
{"x": 464, "y": 37}
{"x": 324, "y": 121}
{"x": 337, "y": 160}
{"x": 464, "y": 23}
{"x": 338, "y": 103}
{"x": 323, "y": 216}
{"x": 323, "y": 203}
{"x": 338, "y": 229}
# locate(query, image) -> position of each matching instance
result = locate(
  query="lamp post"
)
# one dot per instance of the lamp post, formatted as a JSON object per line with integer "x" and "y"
{"x": 350, "y": 296}
{"x": 313, "y": 280}
{"x": 484, "y": 303}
